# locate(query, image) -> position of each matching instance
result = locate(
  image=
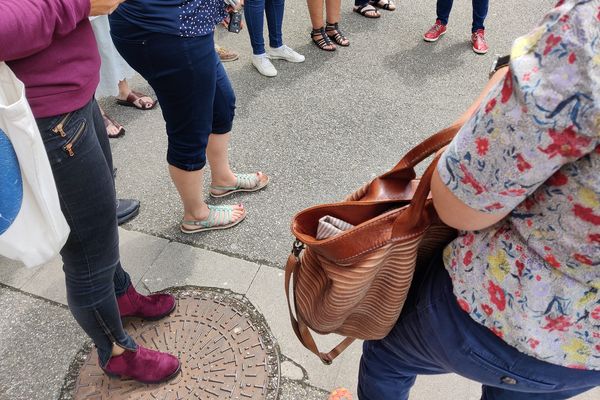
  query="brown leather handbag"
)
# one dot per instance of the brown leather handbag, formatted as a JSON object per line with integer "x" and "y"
{"x": 355, "y": 284}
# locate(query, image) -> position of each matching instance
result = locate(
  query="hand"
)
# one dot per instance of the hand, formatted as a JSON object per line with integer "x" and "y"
{"x": 238, "y": 5}
{"x": 103, "y": 7}
{"x": 225, "y": 22}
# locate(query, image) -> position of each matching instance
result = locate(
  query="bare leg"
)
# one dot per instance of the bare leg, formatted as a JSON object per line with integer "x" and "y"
{"x": 190, "y": 184}
{"x": 217, "y": 153}
{"x": 117, "y": 350}
{"x": 315, "y": 9}
{"x": 333, "y": 9}
{"x": 124, "y": 89}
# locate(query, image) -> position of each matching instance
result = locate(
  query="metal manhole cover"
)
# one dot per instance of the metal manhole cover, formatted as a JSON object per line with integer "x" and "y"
{"x": 225, "y": 348}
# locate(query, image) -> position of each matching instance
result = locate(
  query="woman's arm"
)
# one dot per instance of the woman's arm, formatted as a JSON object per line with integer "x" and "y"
{"x": 29, "y": 26}
{"x": 450, "y": 208}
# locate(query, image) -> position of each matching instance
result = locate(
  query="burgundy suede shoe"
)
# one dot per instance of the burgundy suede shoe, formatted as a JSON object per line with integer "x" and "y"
{"x": 153, "y": 307}
{"x": 143, "y": 365}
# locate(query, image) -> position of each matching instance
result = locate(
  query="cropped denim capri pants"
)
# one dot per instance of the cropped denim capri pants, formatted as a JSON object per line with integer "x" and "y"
{"x": 190, "y": 82}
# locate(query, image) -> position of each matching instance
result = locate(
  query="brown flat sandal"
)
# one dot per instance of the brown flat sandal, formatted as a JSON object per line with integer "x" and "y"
{"x": 134, "y": 99}
{"x": 108, "y": 121}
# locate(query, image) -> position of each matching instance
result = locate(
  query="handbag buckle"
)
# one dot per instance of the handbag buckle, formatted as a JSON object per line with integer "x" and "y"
{"x": 297, "y": 248}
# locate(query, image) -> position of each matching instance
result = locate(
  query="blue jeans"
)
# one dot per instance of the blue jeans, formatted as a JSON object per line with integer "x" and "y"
{"x": 434, "y": 336}
{"x": 254, "y": 11}
{"x": 480, "y": 10}
{"x": 192, "y": 87}
{"x": 85, "y": 185}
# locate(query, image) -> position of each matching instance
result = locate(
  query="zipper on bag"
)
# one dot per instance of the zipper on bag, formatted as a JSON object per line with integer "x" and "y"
{"x": 69, "y": 146}
{"x": 59, "y": 129}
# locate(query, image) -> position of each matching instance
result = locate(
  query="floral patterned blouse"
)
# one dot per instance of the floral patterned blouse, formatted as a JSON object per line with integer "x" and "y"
{"x": 533, "y": 149}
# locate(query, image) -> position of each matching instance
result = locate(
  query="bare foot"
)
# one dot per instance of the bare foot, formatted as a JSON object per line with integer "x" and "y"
{"x": 113, "y": 128}
{"x": 239, "y": 183}
{"x": 213, "y": 217}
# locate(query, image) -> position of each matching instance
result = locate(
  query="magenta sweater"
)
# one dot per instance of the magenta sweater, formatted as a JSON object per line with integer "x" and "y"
{"x": 50, "y": 46}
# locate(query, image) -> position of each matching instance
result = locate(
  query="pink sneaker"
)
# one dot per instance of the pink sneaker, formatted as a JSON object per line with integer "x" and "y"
{"x": 143, "y": 365}
{"x": 480, "y": 45}
{"x": 435, "y": 32}
{"x": 153, "y": 307}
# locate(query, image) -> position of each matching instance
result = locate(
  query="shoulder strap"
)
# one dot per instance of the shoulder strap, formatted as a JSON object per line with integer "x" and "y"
{"x": 426, "y": 148}
{"x": 300, "y": 328}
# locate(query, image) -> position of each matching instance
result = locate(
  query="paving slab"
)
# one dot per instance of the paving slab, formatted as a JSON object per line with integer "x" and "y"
{"x": 14, "y": 273}
{"x": 267, "y": 295}
{"x": 138, "y": 252}
{"x": 38, "y": 341}
{"x": 295, "y": 390}
{"x": 48, "y": 282}
{"x": 181, "y": 265}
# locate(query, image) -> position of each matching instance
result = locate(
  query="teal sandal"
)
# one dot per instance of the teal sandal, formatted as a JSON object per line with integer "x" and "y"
{"x": 244, "y": 183}
{"x": 219, "y": 217}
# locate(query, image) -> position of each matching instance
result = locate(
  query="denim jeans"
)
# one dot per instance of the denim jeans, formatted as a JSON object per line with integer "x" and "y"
{"x": 434, "y": 336}
{"x": 81, "y": 161}
{"x": 254, "y": 11}
{"x": 192, "y": 87}
{"x": 480, "y": 10}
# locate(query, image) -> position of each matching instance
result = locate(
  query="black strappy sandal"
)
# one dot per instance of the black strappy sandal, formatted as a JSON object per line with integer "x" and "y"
{"x": 324, "y": 42}
{"x": 367, "y": 11}
{"x": 386, "y": 5}
{"x": 333, "y": 31}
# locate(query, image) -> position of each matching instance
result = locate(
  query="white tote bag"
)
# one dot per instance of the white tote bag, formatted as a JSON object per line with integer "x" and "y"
{"x": 32, "y": 226}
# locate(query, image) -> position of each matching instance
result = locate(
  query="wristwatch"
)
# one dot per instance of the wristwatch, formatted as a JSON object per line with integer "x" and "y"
{"x": 499, "y": 62}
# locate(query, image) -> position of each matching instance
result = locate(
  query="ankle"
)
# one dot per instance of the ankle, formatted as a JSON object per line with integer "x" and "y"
{"x": 224, "y": 179}
{"x": 117, "y": 350}
{"x": 124, "y": 89}
{"x": 198, "y": 214}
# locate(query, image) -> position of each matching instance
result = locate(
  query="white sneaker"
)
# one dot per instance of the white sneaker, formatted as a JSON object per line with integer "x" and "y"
{"x": 263, "y": 65}
{"x": 285, "y": 53}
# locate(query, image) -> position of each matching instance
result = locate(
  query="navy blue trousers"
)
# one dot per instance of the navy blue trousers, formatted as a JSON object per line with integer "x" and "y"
{"x": 480, "y": 10}
{"x": 255, "y": 11}
{"x": 434, "y": 336}
{"x": 195, "y": 95}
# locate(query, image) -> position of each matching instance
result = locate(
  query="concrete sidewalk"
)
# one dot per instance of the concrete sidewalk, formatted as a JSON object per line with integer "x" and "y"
{"x": 40, "y": 338}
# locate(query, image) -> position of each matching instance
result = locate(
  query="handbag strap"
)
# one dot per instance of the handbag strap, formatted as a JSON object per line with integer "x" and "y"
{"x": 417, "y": 204}
{"x": 426, "y": 148}
{"x": 300, "y": 328}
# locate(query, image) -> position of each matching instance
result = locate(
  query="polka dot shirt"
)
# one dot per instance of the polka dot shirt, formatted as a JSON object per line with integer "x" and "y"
{"x": 186, "y": 18}
{"x": 199, "y": 17}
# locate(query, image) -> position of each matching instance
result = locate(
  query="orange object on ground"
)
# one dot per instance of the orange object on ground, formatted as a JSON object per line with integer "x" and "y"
{"x": 340, "y": 394}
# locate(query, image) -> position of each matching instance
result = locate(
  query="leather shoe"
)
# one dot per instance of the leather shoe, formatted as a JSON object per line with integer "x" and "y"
{"x": 127, "y": 209}
{"x": 143, "y": 365}
{"x": 153, "y": 307}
